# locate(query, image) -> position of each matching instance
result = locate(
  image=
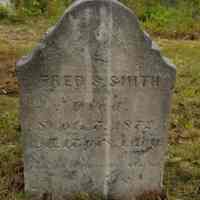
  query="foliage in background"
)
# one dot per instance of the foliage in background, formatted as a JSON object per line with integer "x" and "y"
{"x": 7, "y": 13}
{"x": 4, "y": 12}
{"x": 41, "y": 7}
{"x": 168, "y": 18}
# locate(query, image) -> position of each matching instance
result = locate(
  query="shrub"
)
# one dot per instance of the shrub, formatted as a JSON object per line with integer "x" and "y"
{"x": 4, "y": 12}
{"x": 7, "y": 13}
{"x": 40, "y": 7}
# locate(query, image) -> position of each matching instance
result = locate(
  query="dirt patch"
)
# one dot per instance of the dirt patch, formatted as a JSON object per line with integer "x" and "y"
{"x": 8, "y": 82}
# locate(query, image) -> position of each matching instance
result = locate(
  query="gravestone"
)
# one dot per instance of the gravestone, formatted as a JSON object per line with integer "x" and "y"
{"x": 95, "y": 98}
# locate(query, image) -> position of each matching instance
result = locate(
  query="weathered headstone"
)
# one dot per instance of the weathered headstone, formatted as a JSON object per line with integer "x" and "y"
{"x": 95, "y": 97}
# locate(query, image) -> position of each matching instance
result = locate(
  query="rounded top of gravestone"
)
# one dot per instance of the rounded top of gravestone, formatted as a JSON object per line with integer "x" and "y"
{"x": 68, "y": 21}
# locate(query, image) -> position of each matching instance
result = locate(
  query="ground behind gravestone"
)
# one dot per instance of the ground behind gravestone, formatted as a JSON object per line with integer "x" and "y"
{"x": 182, "y": 172}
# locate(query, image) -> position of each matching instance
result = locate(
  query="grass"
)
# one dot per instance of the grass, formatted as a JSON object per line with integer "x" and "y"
{"x": 169, "y": 19}
{"x": 11, "y": 168}
{"x": 19, "y": 38}
{"x": 182, "y": 171}
{"x": 182, "y": 174}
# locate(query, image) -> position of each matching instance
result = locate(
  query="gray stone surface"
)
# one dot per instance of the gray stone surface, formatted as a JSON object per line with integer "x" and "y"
{"x": 5, "y": 2}
{"x": 95, "y": 98}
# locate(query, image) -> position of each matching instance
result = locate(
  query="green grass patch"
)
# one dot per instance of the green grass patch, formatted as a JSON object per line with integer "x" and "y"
{"x": 182, "y": 174}
{"x": 11, "y": 168}
{"x": 186, "y": 101}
